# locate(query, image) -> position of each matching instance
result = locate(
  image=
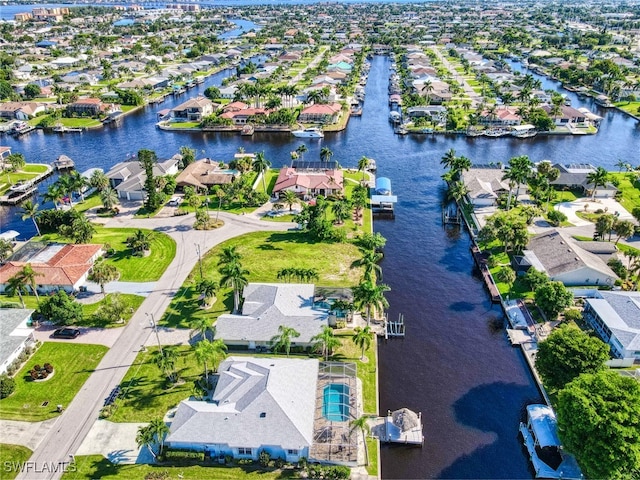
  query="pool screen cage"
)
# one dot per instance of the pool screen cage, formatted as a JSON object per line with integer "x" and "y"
{"x": 335, "y": 440}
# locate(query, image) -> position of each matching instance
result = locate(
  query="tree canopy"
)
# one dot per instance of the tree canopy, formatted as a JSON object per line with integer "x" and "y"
{"x": 567, "y": 353}
{"x": 599, "y": 421}
{"x": 552, "y": 298}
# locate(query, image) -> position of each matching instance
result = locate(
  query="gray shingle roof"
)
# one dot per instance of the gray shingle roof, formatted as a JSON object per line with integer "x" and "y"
{"x": 266, "y": 307}
{"x": 257, "y": 401}
{"x": 11, "y": 336}
{"x": 620, "y": 311}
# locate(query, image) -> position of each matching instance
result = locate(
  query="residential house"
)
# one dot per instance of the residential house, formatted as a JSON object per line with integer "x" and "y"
{"x": 128, "y": 177}
{"x": 500, "y": 117}
{"x": 567, "y": 115}
{"x": 310, "y": 182}
{"x": 323, "y": 113}
{"x": 87, "y": 106}
{"x": 193, "y": 110}
{"x": 561, "y": 257}
{"x": 16, "y": 334}
{"x": 20, "y": 110}
{"x": 258, "y": 404}
{"x": 243, "y": 116}
{"x": 574, "y": 176}
{"x": 437, "y": 113}
{"x": 615, "y": 316}
{"x": 58, "y": 266}
{"x": 265, "y": 308}
{"x": 484, "y": 184}
{"x": 204, "y": 174}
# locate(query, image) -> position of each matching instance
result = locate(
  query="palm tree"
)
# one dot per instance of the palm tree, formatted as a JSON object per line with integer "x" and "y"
{"x": 30, "y": 210}
{"x": 282, "y": 341}
{"x": 229, "y": 254}
{"x": 28, "y": 276}
{"x": 6, "y": 249}
{"x": 361, "y": 423}
{"x": 290, "y": 198}
{"x": 599, "y": 177}
{"x": 207, "y": 288}
{"x": 371, "y": 241}
{"x": 457, "y": 191}
{"x": 201, "y": 326}
{"x": 78, "y": 183}
{"x": 301, "y": 149}
{"x": 99, "y": 180}
{"x": 140, "y": 241}
{"x": 260, "y": 166}
{"x": 165, "y": 359}
{"x": 53, "y": 194}
{"x": 103, "y": 273}
{"x": 363, "y": 163}
{"x": 325, "y": 154}
{"x": 213, "y": 352}
{"x": 16, "y": 285}
{"x": 370, "y": 296}
{"x": 159, "y": 429}
{"x": 520, "y": 171}
{"x": 146, "y": 438}
{"x": 109, "y": 198}
{"x": 362, "y": 337}
{"x": 326, "y": 341}
{"x": 341, "y": 209}
{"x": 234, "y": 276}
{"x": 369, "y": 261}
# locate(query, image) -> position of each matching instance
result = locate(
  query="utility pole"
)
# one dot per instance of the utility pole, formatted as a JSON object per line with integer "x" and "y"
{"x": 152, "y": 323}
{"x": 199, "y": 259}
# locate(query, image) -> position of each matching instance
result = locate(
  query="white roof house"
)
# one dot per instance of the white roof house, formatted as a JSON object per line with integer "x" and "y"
{"x": 128, "y": 178}
{"x": 615, "y": 316}
{"x": 267, "y": 306}
{"x": 485, "y": 184}
{"x": 258, "y": 404}
{"x": 560, "y": 257}
{"x": 15, "y": 334}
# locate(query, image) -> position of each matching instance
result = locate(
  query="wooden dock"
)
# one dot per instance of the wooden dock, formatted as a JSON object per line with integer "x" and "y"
{"x": 481, "y": 261}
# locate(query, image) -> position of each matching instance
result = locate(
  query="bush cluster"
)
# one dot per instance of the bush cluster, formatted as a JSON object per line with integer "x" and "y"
{"x": 7, "y": 386}
{"x": 20, "y": 359}
{"x": 328, "y": 472}
{"x": 41, "y": 372}
{"x": 183, "y": 455}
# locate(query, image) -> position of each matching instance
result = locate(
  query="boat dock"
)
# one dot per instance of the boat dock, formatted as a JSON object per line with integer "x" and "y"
{"x": 19, "y": 193}
{"x": 394, "y": 328}
{"x": 401, "y": 426}
{"x": 382, "y": 201}
{"x": 63, "y": 163}
{"x": 481, "y": 261}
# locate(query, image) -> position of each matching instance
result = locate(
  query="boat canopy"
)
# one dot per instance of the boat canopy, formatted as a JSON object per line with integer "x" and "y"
{"x": 523, "y": 128}
{"x": 542, "y": 422}
{"x": 383, "y": 186}
{"x": 9, "y": 235}
{"x": 380, "y": 199}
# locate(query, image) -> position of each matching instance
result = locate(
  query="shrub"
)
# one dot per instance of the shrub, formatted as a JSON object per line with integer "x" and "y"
{"x": 61, "y": 308}
{"x": 48, "y": 367}
{"x": 7, "y": 386}
{"x": 245, "y": 461}
{"x": 183, "y": 455}
{"x": 573, "y": 315}
{"x": 264, "y": 458}
{"x": 40, "y": 372}
{"x": 556, "y": 217}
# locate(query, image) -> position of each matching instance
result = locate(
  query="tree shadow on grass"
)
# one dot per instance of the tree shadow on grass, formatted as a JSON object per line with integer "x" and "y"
{"x": 290, "y": 237}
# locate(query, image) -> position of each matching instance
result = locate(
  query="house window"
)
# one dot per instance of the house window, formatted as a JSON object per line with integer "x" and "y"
{"x": 244, "y": 451}
{"x": 292, "y": 452}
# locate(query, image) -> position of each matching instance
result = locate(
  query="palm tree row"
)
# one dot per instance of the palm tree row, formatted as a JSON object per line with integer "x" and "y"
{"x": 304, "y": 275}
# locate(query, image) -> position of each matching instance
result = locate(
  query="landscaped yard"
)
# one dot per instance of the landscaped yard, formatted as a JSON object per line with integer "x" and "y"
{"x": 264, "y": 254}
{"x": 72, "y": 363}
{"x": 96, "y": 466}
{"x": 28, "y": 172}
{"x": 132, "y": 268}
{"x": 630, "y": 193}
{"x": 11, "y": 458}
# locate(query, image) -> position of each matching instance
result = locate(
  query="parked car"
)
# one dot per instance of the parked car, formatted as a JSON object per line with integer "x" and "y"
{"x": 66, "y": 333}
{"x": 175, "y": 201}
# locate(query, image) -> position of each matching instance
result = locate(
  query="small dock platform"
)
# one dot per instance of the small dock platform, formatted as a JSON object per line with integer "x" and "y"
{"x": 401, "y": 426}
{"x": 63, "y": 163}
{"x": 481, "y": 261}
{"x": 394, "y": 328}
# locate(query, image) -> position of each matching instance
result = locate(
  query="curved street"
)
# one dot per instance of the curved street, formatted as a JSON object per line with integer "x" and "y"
{"x": 64, "y": 438}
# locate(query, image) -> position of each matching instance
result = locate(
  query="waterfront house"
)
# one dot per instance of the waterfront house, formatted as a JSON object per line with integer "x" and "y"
{"x": 484, "y": 184}
{"x": 87, "y": 106}
{"x": 204, "y": 174}
{"x": 500, "y": 117}
{"x": 320, "y": 113}
{"x": 318, "y": 178}
{"x": 568, "y": 115}
{"x": 266, "y": 307}
{"x": 16, "y": 334}
{"x": 560, "y": 256}
{"x": 258, "y": 404}
{"x": 437, "y": 113}
{"x": 574, "y": 177}
{"x": 193, "y": 110}
{"x": 20, "y": 110}
{"x": 58, "y": 266}
{"x": 615, "y": 317}
{"x": 243, "y": 116}
{"x": 128, "y": 177}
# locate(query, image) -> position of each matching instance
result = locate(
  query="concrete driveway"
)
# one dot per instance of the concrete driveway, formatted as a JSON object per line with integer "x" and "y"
{"x": 115, "y": 441}
{"x": 96, "y": 336}
{"x": 27, "y": 434}
{"x": 607, "y": 204}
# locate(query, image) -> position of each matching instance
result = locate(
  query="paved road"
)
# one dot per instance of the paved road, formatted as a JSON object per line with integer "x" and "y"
{"x": 475, "y": 97}
{"x": 69, "y": 430}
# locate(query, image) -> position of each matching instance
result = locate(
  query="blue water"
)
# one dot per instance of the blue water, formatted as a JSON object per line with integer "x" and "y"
{"x": 335, "y": 402}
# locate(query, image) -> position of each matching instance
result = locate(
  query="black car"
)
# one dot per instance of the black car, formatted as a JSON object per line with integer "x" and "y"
{"x": 66, "y": 333}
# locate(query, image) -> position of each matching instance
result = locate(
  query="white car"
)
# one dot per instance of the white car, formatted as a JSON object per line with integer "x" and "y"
{"x": 175, "y": 201}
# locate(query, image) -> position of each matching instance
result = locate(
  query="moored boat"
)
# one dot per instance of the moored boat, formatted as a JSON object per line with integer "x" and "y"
{"x": 247, "y": 130}
{"x": 312, "y": 132}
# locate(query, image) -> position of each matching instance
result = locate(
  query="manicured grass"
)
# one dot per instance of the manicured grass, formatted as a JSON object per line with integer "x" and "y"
{"x": 132, "y": 268}
{"x": 179, "y": 125}
{"x": 97, "y": 466}
{"x": 270, "y": 181}
{"x": 131, "y": 301}
{"x": 264, "y": 254}
{"x": 630, "y": 191}
{"x": 92, "y": 201}
{"x": 11, "y": 455}
{"x": 146, "y": 392}
{"x": 631, "y": 107}
{"x": 560, "y": 196}
{"x": 372, "y": 446}
{"x": 519, "y": 289}
{"x": 72, "y": 363}
{"x": 80, "y": 122}
{"x": 28, "y": 172}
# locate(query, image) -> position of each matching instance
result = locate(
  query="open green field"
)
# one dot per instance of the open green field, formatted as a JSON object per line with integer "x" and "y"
{"x": 264, "y": 254}
{"x": 632, "y": 107}
{"x": 11, "y": 455}
{"x": 132, "y": 268}
{"x": 96, "y": 466}
{"x": 72, "y": 363}
{"x": 630, "y": 191}
{"x": 26, "y": 173}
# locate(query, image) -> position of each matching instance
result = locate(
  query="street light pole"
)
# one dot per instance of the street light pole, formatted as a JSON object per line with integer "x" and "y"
{"x": 152, "y": 323}
{"x": 199, "y": 259}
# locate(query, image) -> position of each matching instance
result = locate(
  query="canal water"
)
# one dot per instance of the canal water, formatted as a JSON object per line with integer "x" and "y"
{"x": 455, "y": 364}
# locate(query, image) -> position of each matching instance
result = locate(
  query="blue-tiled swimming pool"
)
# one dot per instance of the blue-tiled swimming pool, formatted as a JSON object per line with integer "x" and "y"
{"x": 335, "y": 402}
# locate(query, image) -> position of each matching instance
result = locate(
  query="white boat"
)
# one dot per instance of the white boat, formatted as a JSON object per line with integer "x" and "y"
{"x": 395, "y": 117}
{"x": 371, "y": 166}
{"x": 523, "y": 131}
{"x": 495, "y": 132}
{"x": 312, "y": 132}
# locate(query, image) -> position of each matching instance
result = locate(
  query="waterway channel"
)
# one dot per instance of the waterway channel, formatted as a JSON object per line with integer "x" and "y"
{"x": 455, "y": 364}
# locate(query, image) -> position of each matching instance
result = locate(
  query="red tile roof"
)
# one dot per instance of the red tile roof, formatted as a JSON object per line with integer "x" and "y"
{"x": 327, "y": 179}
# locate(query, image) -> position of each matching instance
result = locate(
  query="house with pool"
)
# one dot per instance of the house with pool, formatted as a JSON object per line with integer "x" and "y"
{"x": 290, "y": 408}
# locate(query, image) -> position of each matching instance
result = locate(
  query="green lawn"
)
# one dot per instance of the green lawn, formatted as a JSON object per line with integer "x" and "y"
{"x": 72, "y": 363}
{"x": 132, "y": 268}
{"x": 80, "y": 122}
{"x": 264, "y": 254}
{"x": 270, "y": 181}
{"x": 97, "y": 466}
{"x": 180, "y": 125}
{"x": 92, "y": 201}
{"x": 519, "y": 289}
{"x": 11, "y": 455}
{"x": 630, "y": 193}
{"x": 28, "y": 172}
{"x": 631, "y": 107}
{"x": 560, "y": 196}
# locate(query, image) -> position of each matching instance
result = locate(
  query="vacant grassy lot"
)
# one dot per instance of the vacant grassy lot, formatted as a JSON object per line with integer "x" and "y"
{"x": 132, "y": 268}
{"x": 264, "y": 254}
{"x": 72, "y": 363}
{"x": 96, "y": 466}
{"x": 11, "y": 455}
{"x": 630, "y": 191}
